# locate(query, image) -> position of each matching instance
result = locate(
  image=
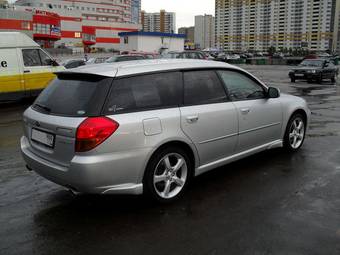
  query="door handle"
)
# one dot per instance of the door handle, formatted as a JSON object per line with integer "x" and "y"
{"x": 27, "y": 71}
{"x": 192, "y": 119}
{"x": 245, "y": 111}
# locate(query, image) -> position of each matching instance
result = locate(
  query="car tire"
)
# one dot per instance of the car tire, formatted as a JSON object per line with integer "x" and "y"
{"x": 333, "y": 79}
{"x": 319, "y": 80}
{"x": 295, "y": 134}
{"x": 163, "y": 182}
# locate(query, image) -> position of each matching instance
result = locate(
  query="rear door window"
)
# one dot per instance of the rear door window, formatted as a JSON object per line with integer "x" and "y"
{"x": 146, "y": 92}
{"x": 74, "y": 95}
{"x": 203, "y": 87}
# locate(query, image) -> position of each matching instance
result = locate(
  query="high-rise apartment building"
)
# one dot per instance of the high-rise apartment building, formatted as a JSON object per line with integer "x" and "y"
{"x": 336, "y": 40}
{"x": 189, "y": 32}
{"x": 162, "y": 21}
{"x": 260, "y": 24}
{"x": 204, "y": 31}
{"x": 136, "y": 11}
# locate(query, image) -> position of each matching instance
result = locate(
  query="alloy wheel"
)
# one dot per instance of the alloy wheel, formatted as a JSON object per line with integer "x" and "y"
{"x": 297, "y": 133}
{"x": 170, "y": 175}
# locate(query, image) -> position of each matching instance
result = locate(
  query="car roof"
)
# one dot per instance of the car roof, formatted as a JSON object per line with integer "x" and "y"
{"x": 16, "y": 40}
{"x": 148, "y": 66}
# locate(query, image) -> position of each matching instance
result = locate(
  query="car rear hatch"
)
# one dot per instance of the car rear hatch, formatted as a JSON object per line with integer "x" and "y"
{"x": 51, "y": 123}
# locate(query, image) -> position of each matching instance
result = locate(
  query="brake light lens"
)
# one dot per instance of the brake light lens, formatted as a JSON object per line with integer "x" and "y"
{"x": 94, "y": 131}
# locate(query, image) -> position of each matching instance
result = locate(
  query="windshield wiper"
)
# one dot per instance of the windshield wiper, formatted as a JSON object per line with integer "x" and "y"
{"x": 45, "y": 108}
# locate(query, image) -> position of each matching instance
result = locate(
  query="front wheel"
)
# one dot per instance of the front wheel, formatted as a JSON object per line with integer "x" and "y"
{"x": 167, "y": 175}
{"x": 295, "y": 133}
{"x": 333, "y": 79}
{"x": 319, "y": 80}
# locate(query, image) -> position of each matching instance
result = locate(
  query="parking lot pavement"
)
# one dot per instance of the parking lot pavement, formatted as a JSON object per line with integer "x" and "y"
{"x": 271, "y": 203}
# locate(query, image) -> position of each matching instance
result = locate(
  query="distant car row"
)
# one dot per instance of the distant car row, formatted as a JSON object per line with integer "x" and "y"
{"x": 130, "y": 56}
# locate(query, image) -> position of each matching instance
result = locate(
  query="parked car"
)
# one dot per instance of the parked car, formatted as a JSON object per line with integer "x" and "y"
{"x": 185, "y": 55}
{"x": 73, "y": 63}
{"x": 25, "y": 68}
{"x": 232, "y": 57}
{"x": 225, "y": 57}
{"x": 146, "y": 55}
{"x": 97, "y": 60}
{"x": 278, "y": 55}
{"x": 314, "y": 69}
{"x": 122, "y": 58}
{"x": 222, "y": 57}
{"x": 152, "y": 126}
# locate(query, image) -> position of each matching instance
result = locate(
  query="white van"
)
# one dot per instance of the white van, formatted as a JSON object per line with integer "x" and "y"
{"x": 25, "y": 69}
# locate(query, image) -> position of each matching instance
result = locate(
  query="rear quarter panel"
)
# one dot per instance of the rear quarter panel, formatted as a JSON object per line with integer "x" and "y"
{"x": 132, "y": 136}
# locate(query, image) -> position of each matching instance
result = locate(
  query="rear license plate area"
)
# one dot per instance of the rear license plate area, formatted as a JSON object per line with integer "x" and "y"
{"x": 43, "y": 138}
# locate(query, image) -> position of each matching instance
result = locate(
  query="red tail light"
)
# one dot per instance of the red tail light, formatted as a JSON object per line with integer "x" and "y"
{"x": 94, "y": 131}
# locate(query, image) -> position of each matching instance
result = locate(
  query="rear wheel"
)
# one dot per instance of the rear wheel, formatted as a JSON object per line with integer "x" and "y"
{"x": 295, "y": 133}
{"x": 167, "y": 175}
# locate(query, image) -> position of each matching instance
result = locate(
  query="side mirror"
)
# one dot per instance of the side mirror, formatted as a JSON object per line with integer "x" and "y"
{"x": 273, "y": 92}
{"x": 52, "y": 62}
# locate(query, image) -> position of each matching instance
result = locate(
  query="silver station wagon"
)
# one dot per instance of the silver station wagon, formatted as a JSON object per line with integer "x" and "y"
{"x": 151, "y": 126}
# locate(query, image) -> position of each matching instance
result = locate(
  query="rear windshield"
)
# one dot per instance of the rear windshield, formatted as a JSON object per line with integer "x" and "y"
{"x": 74, "y": 95}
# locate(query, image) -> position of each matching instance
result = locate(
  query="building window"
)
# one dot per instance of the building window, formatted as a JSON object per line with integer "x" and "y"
{"x": 77, "y": 35}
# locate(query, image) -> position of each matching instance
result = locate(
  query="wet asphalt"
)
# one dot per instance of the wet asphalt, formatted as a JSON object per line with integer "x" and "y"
{"x": 271, "y": 203}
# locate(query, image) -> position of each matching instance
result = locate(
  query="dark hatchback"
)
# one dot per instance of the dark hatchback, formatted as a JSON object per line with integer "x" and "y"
{"x": 73, "y": 63}
{"x": 314, "y": 70}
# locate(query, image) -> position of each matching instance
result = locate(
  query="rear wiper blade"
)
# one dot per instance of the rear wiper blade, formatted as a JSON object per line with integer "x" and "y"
{"x": 45, "y": 108}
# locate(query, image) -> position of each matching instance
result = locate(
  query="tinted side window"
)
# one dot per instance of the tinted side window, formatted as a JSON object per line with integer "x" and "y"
{"x": 145, "y": 93}
{"x": 203, "y": 87}
{"x": 31, "y": 57}
{"x": 240, "y": 87}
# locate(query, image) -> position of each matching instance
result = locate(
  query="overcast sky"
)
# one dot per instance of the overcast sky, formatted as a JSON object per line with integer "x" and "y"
{"x": 185, "y": 9}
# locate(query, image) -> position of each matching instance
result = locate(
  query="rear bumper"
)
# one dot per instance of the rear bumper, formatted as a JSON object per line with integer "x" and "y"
{"x": 118, "y": 173}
